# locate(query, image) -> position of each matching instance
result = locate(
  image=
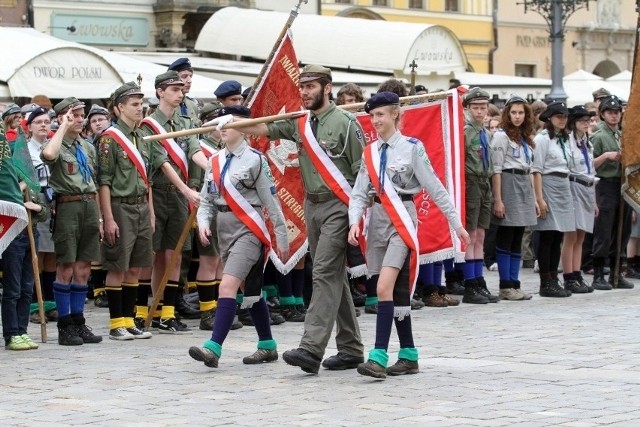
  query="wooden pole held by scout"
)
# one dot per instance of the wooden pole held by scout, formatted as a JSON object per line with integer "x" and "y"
{"x": 427, "y": 97}
{"x": 233, "y": 125}
{"x": 177, "y": 252}
{"x": 36, "y": 275}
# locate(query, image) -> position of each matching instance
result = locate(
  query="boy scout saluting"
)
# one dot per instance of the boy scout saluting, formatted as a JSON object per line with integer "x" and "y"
{"x": 169, "y": 174}
{"x": 331, "y": 140}
{"x": 72, "y": 160}
{"x": 124, "y": 196}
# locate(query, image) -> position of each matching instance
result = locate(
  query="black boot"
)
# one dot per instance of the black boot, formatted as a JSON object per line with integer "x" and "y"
{"x": 67, "y": 332}
{"x": 552, "y": 288}
{"x": 622, "y": 282}
{"x": 453, "y": 283}
{"x": 472, "y": 293}
{"x": 599, "y": 282}
{"x": 482, "y": 288}
{"x": 185, "y": 310}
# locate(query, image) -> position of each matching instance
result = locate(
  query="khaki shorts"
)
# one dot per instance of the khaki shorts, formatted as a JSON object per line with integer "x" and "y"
{"x": 241, "y": 248}
{"x": 171, "y": 212}
{"x": 478, "y": 203}
{"x": 133, "y": 248}
{"x": 77, "y": 233}
{"x": 385, "y": 247}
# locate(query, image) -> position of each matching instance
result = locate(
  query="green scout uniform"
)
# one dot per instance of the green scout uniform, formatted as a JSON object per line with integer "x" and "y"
{"x": 77, "y": 231}
{"x": 327, "y": 226}
{"x": 188, "y": 108}
{"x": 129, "y": 201}
{"x": 477, "y": 175}
{"x": 603, "y": 140}
{"x": 169, "y": 204}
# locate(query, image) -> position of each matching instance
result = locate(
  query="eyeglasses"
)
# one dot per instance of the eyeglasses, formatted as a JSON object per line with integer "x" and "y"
{"x": 98, "y": 119}
{"x": 41, "y": 122}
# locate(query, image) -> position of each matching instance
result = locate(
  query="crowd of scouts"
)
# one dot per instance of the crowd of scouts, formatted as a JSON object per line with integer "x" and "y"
{"x": 112, "y": 208}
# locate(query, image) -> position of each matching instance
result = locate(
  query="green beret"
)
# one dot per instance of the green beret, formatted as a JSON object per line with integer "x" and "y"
{"x": 313, "y": 72}
{"x": 66, "y": 104}
{"x": 126, "y": 89}
{"x": 168, "y": 78}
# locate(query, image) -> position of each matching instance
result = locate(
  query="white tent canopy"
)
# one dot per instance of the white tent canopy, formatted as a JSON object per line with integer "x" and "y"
{"x": 45, "y": 65}
{"x": 345, "y": 43}
{"x": 622, "y": 80}
{"x": 580, "y": 85}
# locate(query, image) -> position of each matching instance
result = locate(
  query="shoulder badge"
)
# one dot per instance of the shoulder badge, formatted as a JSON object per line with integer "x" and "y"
{"x": 413, "y": 140}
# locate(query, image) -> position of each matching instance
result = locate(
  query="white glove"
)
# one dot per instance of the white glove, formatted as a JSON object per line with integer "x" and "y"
{"x": 222, "y": 121}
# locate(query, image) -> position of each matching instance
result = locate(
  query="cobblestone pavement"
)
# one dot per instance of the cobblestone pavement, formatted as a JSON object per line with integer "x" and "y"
{"x": 570, "y": 362}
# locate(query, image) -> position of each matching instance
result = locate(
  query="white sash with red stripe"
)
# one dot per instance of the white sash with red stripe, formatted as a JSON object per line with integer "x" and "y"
{"x": 395, "y": 209}
{"x": 328, "y": 171}
{"x": 207, "y": 150}
{"x": 238, "y": 204}
{"x": 131, "y": 150}
{"x": 176, "y": 153}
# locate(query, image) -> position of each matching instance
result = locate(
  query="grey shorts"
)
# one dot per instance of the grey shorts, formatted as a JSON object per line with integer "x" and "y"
{"x": 213, "y": 248}
{"x": 240, "y": 249}
{"x": 133, "y": 248}
{"x": 385, "y": 247}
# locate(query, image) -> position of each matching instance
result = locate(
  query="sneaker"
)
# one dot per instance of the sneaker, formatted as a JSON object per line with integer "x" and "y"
{"x": 261, "y": 356}
{"x": 553, "y": 289}
{"x": 576, "y": 287}
{"x": 622, "y": 282}
{"x": 139, "y": 334}
{"x": 171, "y": 326}
{"x": 32, "y": 344}
{"x": 510, "y": 294}
{"x": 68, "y": 335}
{"x": 493, "y": 267}
{"x": 586, "y": 284}
{"x": 101, "y": 300}
{"x": 17, "y": 343}
{"x": 204, "y": 355}
{"x": 372, "y": 369}
{"x": 139, "y": 322}
{"x": 403, "y": 367}
{"x": 120, "y": 334}
{"x": 524, "y": 296}
{"x": 87, "y": 335}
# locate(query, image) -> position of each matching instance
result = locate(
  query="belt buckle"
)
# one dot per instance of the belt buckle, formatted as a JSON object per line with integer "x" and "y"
{"x": 84, "y": 197}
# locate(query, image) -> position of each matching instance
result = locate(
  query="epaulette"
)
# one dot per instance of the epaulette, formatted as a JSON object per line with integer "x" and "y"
{"x": 413, "y": 140}
{"x": 258, "y": 152}
{"x": 349, "y": 115}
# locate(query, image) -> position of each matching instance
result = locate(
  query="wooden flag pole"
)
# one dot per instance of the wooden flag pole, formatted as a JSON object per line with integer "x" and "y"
{"x": 36, "y": 275}
{"x": 292, "y": 16}
{"x": 157, "y": 296}
{"x": 232, "y": 125}
{"x": 404, "y": 100}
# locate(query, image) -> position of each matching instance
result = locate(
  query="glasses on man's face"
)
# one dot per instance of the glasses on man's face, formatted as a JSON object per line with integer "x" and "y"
{"x": 41, "y": 122}
{"x": 98, "y": 120}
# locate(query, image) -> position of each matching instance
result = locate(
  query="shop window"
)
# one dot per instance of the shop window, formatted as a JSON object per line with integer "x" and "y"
{"x": 416, "y": 4}
{"x": 525, "y": 70}
{"x": 343, "y": 1}
{"x": 380, "y": 3}
{"x": 452, "y": 5}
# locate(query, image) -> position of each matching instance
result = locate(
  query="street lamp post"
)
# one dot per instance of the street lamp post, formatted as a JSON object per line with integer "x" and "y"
{"x": 556, "y": 13}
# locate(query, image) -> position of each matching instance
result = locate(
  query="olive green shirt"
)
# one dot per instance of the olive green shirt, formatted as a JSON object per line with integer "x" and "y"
{"x": 65, "y": 173}
{"x": 473, "y": 164}
{"x": 604, "y": 140}
{"x": 339, "y": 134}
{"x": 191, "y": 108}
{"x": 159, "y": 156}
{"x": 116, "y": 167}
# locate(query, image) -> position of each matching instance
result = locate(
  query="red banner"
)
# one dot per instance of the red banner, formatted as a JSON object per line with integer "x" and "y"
{"x": 440, "y": 126}
{"x": 278, "y": 93}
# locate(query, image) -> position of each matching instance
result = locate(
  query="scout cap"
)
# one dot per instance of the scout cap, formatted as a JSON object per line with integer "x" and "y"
{"x": 68, "y": 103}
{"x": 168, "y": 78}
{"x": 553, "y": 109}
{"x": 180, "y": 64}
{"x": 600, "y": 93}
{"x": 228, "y": 88}
{"x": 27, "y": 108}
{"x": 381, "y": 99}
{"x": 11, "y": 109}
{"x": 313, "y": 72}
{"x": 476, "y": 96}
{"x": 209, "y": 108}
{"x": 97, "y": 109}
{"x": 515, "y": 99}
{"x": 421, "y": 88}
{"x": 234, "y": 110}
{"x": 39, "y": 111}
{"x": 578, "y": 112}
{"x": 610, "y": 103}
{"x": 127, "y": 89}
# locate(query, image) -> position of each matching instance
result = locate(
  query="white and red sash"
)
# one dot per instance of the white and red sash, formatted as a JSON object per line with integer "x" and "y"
{"x": 207, "y": 149}
{"x": 329, "y": 172}
{"x": 176, "y": 153}
{"x": 398, "y": 214}
{"x": 238, "y": 204}
{"x": 131, "y": 150}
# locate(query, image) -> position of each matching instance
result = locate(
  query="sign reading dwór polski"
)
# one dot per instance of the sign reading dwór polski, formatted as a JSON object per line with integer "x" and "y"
{"x": 101, "y": 30}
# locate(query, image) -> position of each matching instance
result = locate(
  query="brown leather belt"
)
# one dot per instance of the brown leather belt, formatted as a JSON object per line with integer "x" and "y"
{"x": 165, "y": 187}
{"x": 132, "y": 200}
{"x": 65, "y": 198}
{"x": 581, "y": 181}
{"x": 319, "y": 197}
{"x": 403, "y": 197}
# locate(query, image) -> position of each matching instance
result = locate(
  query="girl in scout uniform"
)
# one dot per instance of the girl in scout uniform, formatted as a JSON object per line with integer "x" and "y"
{"x": 237, "y": 186}
{"x": 550, "y": 171}
{"x": 394, "y": 168}
{"x": 581, "y": 182}
{"x": 514, "y": 205}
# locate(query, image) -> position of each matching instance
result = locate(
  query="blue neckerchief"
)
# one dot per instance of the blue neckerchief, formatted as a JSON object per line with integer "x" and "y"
{"x": 485, "y": 149}
{"x": 582, "y": 145}
{"x": 383, "y": 165}
{"x": 183, "y": 108}
{"x": 224, "y": 172}
{"x": 83, "y": 165}
{"x": 525, "y": 148}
